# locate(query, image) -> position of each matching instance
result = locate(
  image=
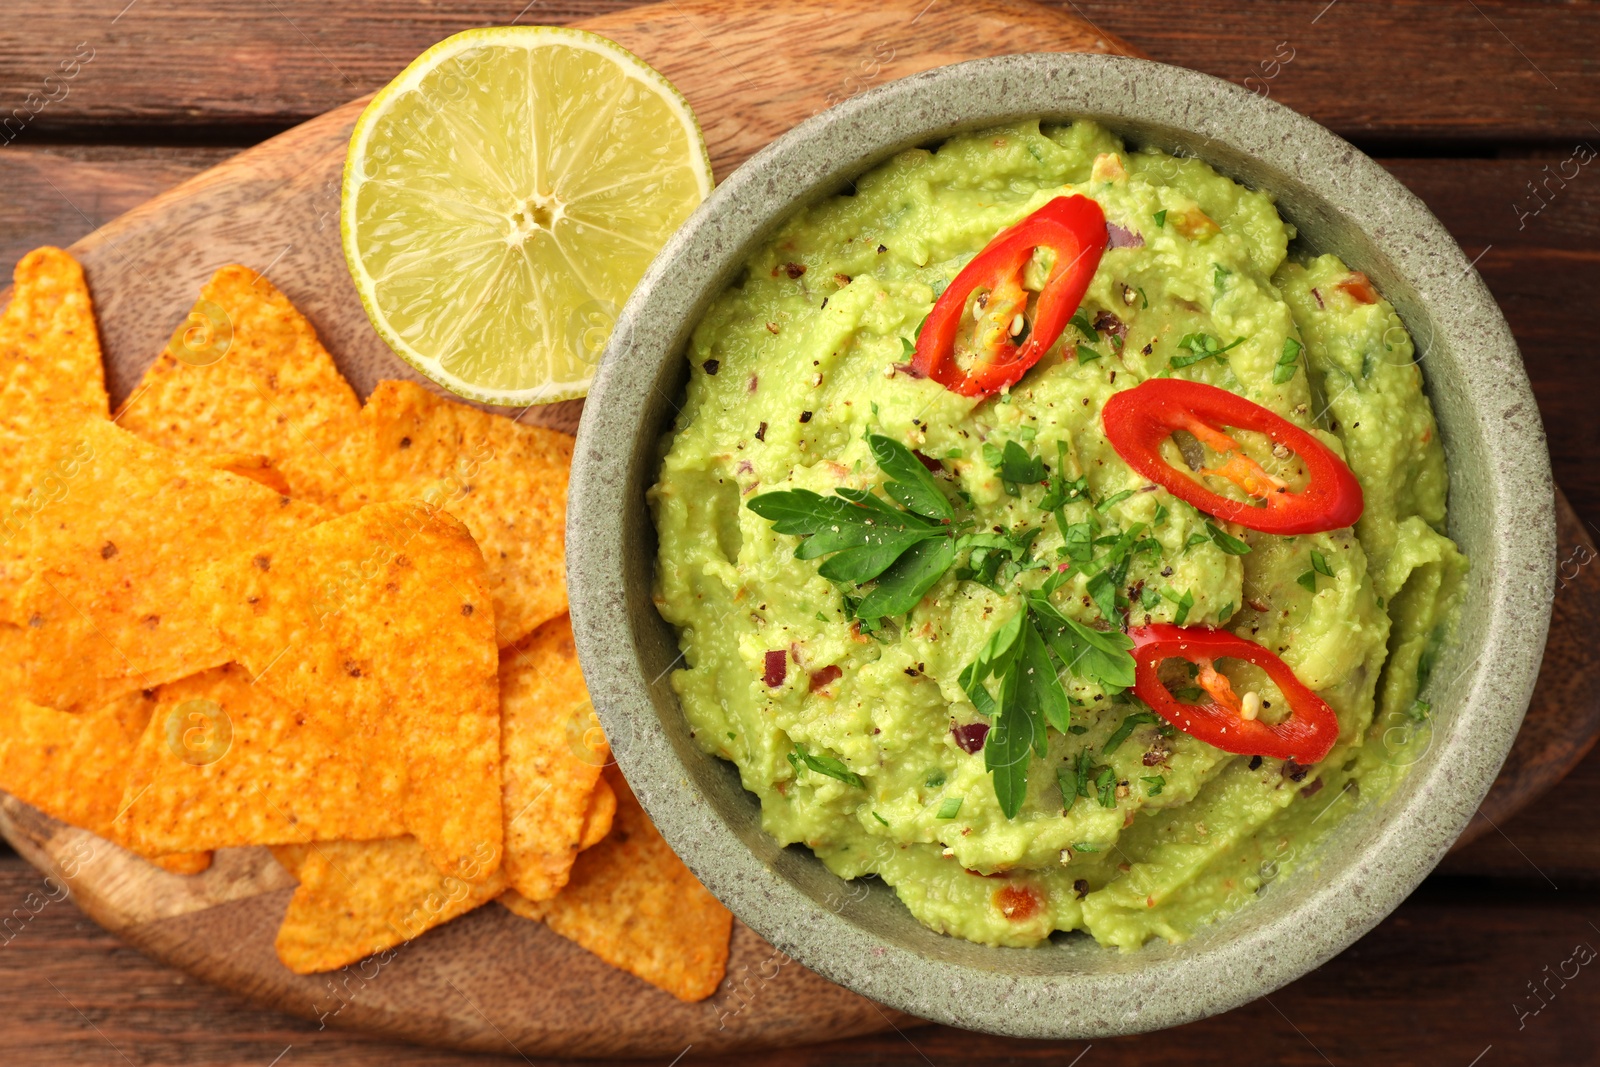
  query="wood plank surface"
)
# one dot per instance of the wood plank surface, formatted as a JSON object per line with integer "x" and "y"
{"x": 1441, "y": 70}
{"x": 1436, "y": 983}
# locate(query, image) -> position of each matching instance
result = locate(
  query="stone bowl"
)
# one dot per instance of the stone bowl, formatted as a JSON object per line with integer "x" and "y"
{"x": 1501, "y": 514}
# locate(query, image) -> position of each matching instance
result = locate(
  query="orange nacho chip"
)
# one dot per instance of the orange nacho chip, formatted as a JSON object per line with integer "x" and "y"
{"x": 506, "y": 481}
{"x": 246, "y": 373}
{"x": 72, "y": 767}
{"x": 551, "y": 751}
{"x": 227, "y": 762}
{"x": 380, "y": 619}
{"x": 597, "y": 820}
{"x": 258, "y": 469}
{"x": 50, "y": 371}
{"x": 113, "y": 555}
{"x": 360, "y": 897}
{"x": 634, "y": 904}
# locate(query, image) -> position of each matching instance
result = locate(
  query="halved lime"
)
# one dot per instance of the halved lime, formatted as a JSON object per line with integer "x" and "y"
{"x": 501, "y": 199}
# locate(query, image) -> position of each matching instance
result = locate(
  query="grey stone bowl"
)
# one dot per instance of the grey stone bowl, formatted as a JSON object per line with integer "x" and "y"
{"x": 1501, "y": 510}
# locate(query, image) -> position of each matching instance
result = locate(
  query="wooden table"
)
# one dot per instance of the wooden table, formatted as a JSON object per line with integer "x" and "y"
{"x": 1484, "y": 109}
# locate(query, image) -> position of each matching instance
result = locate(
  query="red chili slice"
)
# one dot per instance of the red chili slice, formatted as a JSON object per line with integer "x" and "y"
{"x": 1305, "y": 737}
{"x": 1138, "y": 420}
{"x": 1074, "y": 228}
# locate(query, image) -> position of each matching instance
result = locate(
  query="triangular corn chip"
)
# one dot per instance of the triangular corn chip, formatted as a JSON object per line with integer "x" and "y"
{"x": 50, "y": 371}
{"x": 72, "y": 767}
{"x": 360, "y": 897}
{"x": 246, "y": 373}
{"x": 634, "y": 904}
{"x": 380, "y": 620}
{"x": 258, "y": 469}
{"x": 506, "y": 481}
{"x": 552, "y": 750}
{"x": 597, "y": 820}
{"x": 228, "y": 762}
{"x": 112, "y": 557}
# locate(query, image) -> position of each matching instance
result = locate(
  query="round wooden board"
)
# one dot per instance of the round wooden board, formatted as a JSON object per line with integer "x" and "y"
{"x": 491, "y": 981}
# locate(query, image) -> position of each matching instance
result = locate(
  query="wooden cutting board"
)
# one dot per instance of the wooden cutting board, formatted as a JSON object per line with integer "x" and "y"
{"x": 490, "y": 981}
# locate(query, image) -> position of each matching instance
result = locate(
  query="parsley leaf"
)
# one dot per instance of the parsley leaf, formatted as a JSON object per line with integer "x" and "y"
{"x": 1307, "y": 581}
{"x": 994, "y": 659}
{"x": 950, "y": 808}
{"x": 1019, "y": 467}
{"x": 827, "y": 766}
{"x": 911, "y": 484}
{"x": 1106, "y": 787}
{"x": 867, "y": 534}
{"x": 1184, "y": 602}
{"x": 1319, "y": 563}
{"x": 913, "y": 574}
{"x": 1226, "y": 541}
{"x": 1161, "y": 217}
{"x": 1156, "y": 783}
{"x": 1099, "y": 656}
{"x": 1086, "y": 354}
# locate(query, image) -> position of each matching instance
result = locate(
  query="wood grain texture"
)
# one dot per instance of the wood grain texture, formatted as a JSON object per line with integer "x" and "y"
{"x": 1433, "y": 69}
{"x": 1436, "y": 983}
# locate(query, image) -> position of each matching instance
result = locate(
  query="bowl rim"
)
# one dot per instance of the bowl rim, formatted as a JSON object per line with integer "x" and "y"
{"x": 645, "y": 356}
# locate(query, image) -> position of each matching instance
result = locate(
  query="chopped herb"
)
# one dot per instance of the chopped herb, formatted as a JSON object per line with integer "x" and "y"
{"x": 1161, "y": 515}
{"x": 1419, "y": 711}
{"x": 1226, "y": 541}
{"x": 1085, "y": 326}
{"x": 821, "y": 617}
{"x": 826, "y": 766}
{"x": 1103, "y": 591}
{"x": 950, "y": 808}
{"x": 1122, "y": 733}
{"x": 1106, "y": 788}
{"x": 1114, "y": 498}
{"x": 880, "y": 818}
{"x": 1084, "y": 846}
{"x": 1202, "y": 346}
{"x": 1030, "y": 432}
{"x": 1156, "y": 783}
{"x": 1086, "y": 354}
{"x": 935, "y": 779}
{"x": 908, "y": 347}
{"x": 1219, "y": 275}
{"x": 1161, "y": 217}
{"x": 1145, "y": 300}
{"x": 1196, "y": 539}
{"x": 1018, "y": 467}
{"x": 1308, "y": 581}
{"x": 1184, "y": 602}
{"x": 1076, "y": 730}
{"x": 1287, "y": 361}
{"x": 1226, "y": 613}
{"x": 1319, "y": 563}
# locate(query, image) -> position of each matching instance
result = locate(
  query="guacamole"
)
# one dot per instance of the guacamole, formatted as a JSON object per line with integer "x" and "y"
{"x": 858, "y": 736}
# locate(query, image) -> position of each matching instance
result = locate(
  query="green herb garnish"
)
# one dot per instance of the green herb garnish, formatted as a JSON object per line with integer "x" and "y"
{"x": 1080, "y": 319}
{"x": 950, "y": 808}
{"x": 1202, "y": 346}
{"x": 1161, "y": 217}
{"x": 1226, "y": 541}
{"x": 1156, "y": 783}
{"x": 826, "y": 766}
{"x": 1124, "y": 731}
{"x": 1287, "y": 361}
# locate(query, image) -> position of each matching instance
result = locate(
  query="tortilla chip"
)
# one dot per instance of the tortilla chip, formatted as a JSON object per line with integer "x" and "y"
{"x": 634, "y": 904}
{"x": 380, "y": 620}
{"x": 246, "y": 373}
{"x": 551, "y": 754}
{"x": 50, "y": 371}
{"x": 258, "y": 469}
{"x": 72, "y": 767}
{"x": 597, "y": 820}
{"x": 506, "y": 481}
{"x": 184, "y": 862}
{"x": 360, "y": 897}
{"x": 228, "y": 762}
{"x": 113, "y": 554}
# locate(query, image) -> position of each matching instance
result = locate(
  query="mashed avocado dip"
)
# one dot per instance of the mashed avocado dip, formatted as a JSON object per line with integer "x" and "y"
{"x": 858, "y": 736}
